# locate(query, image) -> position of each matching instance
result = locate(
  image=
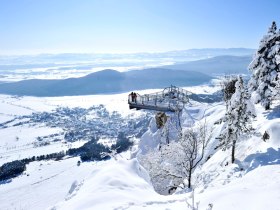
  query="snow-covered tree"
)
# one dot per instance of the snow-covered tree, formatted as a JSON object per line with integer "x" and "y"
{"x": 238, "y": 117}
{"x": 228, "y": 88}
{"x": 193, "y": 147}
{"x": 176, "y": 161}
{"x": 265, "y": 68}
{"x": 161, "y": 166}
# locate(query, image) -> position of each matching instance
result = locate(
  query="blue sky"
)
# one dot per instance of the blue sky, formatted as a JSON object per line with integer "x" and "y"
{"x": 125, "y": 26}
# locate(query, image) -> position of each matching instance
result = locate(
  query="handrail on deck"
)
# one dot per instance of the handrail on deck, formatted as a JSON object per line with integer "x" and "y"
{"x": 169, "y": 98}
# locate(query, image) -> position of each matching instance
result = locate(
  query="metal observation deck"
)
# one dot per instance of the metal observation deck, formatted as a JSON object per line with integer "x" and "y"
{"x": 171, "y": 99}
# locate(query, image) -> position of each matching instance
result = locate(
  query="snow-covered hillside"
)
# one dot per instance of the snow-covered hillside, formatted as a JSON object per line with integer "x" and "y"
{"x": 252, "y": 183}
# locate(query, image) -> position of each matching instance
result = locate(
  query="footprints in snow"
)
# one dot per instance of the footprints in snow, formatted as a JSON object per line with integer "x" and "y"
{"x": 75, "y": 187}
{"x": 148, "y": 203}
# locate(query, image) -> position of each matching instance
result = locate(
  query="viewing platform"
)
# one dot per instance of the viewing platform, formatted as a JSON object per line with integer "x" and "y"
{"x": 170, "y": 99}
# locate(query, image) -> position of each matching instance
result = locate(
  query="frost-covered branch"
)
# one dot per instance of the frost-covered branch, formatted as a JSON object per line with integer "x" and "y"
{"x": 176, "y": 161}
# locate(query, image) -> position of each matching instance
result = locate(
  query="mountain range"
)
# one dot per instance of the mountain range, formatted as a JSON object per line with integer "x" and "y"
{"x": 106, "y": 81}
{"x": 218, "y": 65}
{"x": 111, "y": 81}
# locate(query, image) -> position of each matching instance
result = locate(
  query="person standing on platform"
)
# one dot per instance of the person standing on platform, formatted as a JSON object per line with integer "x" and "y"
{"x": 135, "y": 97}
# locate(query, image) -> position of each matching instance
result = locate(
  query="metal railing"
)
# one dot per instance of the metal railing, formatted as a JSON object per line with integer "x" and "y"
{"x": 173, "y": 98}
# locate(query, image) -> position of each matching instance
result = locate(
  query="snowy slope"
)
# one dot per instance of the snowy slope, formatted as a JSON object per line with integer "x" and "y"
{"x": 252, "y": 153}
{"x": 111, "y": 185}
{"x": 253, "y": 183}
{"x": 257, "y": 190}
{"x": 44, "y": 183}
{"x": 254, "y": 187}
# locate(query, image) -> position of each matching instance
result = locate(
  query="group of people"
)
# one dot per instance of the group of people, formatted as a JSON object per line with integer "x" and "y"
{"x": 133, "y": 97}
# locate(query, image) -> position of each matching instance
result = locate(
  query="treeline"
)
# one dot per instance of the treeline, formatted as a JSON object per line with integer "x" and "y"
{"x": 122, "y": 144}
{"x": 90, "y": 151}
{"x": 11, "y": 169}
{"x": 15, "y": 168}
{"x": 95, "y": 151}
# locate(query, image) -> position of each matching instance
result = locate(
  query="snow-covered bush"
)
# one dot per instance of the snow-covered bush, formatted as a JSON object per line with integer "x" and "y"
{"x": 265, "y": 68}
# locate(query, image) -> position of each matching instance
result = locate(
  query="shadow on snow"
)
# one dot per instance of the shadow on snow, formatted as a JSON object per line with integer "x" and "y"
{"x": 270, "y": 157}
{"x": 273, "y": 114}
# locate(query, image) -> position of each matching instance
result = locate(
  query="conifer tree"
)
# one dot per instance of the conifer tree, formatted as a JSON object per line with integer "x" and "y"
{"x": 265, "y": 68}
{"x": 238, "y": 117}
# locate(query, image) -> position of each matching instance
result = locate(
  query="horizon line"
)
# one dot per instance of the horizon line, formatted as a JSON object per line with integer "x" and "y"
{"x": 118, "y": 53}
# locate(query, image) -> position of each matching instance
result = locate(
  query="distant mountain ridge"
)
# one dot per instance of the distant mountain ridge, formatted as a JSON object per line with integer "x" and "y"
{"x": 111, "y": 81}
{"x": 106, "y": 81}
{"x": 90, "y": 59}
{"x": 226, "y": 64}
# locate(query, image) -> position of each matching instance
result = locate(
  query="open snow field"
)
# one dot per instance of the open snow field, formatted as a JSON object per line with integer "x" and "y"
{"x": 123, "y": 183}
